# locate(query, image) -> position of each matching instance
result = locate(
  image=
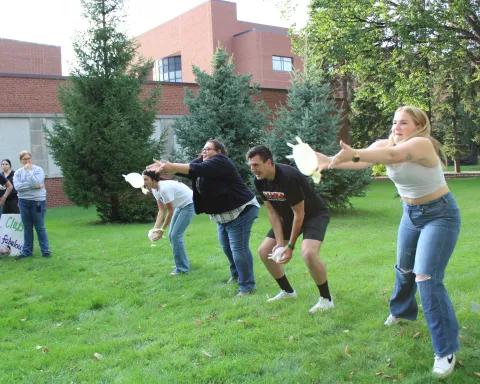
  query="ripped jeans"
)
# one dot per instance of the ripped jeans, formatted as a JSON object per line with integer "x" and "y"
{"x": 426, "y": 238}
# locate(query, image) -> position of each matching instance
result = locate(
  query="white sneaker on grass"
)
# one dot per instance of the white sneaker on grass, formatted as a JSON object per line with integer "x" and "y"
{"x": 391, "y": 320}
{"x": 443, "y": 366}
{"x": 322, "y": 305}
{"x": 283, "y": 295}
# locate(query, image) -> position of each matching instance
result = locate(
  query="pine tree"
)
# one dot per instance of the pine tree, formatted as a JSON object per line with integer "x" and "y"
{"x": 108, "y": 120}
{"x": 223, "y": 109}
{"x": 312, "y": 115}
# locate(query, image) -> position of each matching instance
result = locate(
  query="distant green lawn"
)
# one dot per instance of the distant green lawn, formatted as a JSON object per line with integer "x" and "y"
{"x": 464, "y": 168}
{"x": 107, "y": 291}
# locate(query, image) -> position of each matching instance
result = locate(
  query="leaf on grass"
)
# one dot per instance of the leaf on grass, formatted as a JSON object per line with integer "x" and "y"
{"x": 346, "y": 350}
{"x": 22, "y": 320}
{"x": 379, "y": 373}
{"x": 291, "y": 338}
{"x": 46, "y": 350}
{"x": 351, "y": 374}
{"x": 388, "y": 377}
{"x": 415, "y": 336}
{"x": 463, "y": 338}
{"x": 197, "y": 322}
{"x": 272, "y": 317}
{"x": 160, "y": 307}
{"x": 212, "y": 316}
{"x": 401, "y": 375}
{"x": 98, "y": 356}
{"x": 476, "y": 374}
{"x": 207, "y": 354}
{"x": 460, "y": 362}
{"x": 38, "y": 347}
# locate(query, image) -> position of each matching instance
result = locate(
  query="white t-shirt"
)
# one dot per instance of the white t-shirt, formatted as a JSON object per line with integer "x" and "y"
{"x": 171, "y": 191}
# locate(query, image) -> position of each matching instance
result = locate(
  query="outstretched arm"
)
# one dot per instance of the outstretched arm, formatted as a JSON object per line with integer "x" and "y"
{"x": 326, "y": 162}
{"x": 417, "y": 150}
{"x": 164, "y": 166}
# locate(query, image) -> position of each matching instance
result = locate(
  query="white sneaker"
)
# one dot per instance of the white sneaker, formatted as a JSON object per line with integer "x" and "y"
{"x": 283, "y": 295}
{"x": 391, "y": 320}
{"x": 322, "y": 305}
{"x": 443, "y": 366}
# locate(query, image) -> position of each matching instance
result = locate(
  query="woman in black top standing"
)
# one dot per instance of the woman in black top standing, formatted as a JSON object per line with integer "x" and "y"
{"x": 11, "y": 202}
{"x": 219, "y": 191}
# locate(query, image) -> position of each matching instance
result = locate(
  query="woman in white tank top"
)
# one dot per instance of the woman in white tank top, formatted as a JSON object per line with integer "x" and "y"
{"x": 428, "y": 230}
{"x": 175, "y": 207}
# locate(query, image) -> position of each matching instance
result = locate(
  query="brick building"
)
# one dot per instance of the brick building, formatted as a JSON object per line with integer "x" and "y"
{"x": 264, "y": 51}
{"x": 29, "y": 58}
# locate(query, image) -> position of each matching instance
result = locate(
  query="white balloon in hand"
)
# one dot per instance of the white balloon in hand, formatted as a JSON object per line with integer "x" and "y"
{"x": 153, "y": 235}
{"x": 277, "y": 255}
{"x": 305, "y": 159}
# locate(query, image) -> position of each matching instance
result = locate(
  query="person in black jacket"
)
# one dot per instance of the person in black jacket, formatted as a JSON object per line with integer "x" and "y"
{"x": 11, "y": 200}
{"x": 219, "y": 191}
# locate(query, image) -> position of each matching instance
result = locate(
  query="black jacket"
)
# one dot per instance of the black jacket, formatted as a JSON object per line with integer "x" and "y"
{"x": 217, "y": 185}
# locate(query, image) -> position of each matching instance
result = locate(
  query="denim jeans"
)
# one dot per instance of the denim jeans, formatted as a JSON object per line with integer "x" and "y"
{"x": 234, "y": 238}
{"x": 33, "y": 215}
{"x": 180, "y": 220}
{"x": 426, "y": 239}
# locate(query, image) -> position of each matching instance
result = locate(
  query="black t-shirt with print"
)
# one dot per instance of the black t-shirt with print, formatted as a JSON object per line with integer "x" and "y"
{"x": 289, "y": 188}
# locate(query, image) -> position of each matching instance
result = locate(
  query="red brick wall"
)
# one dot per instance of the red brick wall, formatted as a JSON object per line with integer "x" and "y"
{"x": 24, "y": 57}
{"x": 55, "y": 196}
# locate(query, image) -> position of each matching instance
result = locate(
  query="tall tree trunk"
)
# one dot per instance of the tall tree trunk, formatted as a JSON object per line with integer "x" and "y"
{"x": 456, "y": 145}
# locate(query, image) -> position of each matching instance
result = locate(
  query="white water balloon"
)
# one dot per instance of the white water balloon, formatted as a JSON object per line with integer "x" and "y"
{"x": 305, "y": 159}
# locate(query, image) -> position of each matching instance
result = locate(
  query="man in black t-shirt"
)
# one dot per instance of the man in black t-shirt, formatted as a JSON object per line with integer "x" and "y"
{"x": 293, "y": 208}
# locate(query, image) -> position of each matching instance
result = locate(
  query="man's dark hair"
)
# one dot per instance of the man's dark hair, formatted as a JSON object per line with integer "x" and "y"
{"x": 261, "y": 150}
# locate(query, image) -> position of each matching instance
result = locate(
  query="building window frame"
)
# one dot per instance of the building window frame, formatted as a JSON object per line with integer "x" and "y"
{"x": 168, "y": 69}
{"x": 282, "y": 63}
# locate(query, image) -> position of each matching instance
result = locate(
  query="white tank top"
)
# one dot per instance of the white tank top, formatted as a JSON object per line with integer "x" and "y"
{"x": 414, "y": 180}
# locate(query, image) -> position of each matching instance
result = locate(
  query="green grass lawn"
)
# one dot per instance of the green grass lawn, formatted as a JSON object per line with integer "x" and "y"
{"x": 464, "y": 168}
{"x": 107, "y": 291}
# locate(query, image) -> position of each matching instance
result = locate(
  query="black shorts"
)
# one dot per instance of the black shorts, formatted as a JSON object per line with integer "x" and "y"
{"x": 313, "y": 228}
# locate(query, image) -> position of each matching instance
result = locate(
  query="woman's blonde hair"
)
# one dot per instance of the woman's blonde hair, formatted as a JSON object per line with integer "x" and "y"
{"x": 421, "y": 121}
{"x": 23, "y": 153}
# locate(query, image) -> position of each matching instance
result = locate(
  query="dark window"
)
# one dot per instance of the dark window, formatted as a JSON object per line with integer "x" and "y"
{"x": 168, "y": 69}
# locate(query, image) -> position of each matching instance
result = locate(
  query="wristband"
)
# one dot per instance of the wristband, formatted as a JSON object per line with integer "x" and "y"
{"x": 292, "y": 247}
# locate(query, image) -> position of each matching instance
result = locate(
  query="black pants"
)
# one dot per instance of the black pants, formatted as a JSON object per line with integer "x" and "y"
{"x": 11, "y": 206}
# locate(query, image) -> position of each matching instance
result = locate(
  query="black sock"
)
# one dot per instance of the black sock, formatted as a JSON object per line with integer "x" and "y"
{"x": 324, "y": 292}
{"x": 284, "y": 284}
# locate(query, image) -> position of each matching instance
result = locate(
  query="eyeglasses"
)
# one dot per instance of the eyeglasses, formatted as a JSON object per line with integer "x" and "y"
{"x": 25, "y": 158}
{"x": 207, "y": 149}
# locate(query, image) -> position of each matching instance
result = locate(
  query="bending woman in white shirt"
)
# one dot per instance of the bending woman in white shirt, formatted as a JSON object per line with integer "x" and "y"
{"x": 175, "y": 207}
{"x": 428, "y": 230}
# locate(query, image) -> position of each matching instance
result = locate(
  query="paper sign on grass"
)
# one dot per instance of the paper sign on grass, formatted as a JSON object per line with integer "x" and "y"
{"x": 11, "y": 235}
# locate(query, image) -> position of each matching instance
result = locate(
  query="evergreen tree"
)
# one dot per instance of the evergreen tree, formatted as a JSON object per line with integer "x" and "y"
{"x": 312, "y": 115}
{"x": 223, "y": 109}
{"x": 108, "y": 125}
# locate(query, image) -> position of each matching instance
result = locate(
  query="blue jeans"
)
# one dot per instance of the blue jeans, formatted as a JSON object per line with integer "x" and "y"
{"x": 234, "y": 238}
{"x": 180, "y": 221}
{"x": 33, "y": 215}
{"x": 426, "y": 239}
